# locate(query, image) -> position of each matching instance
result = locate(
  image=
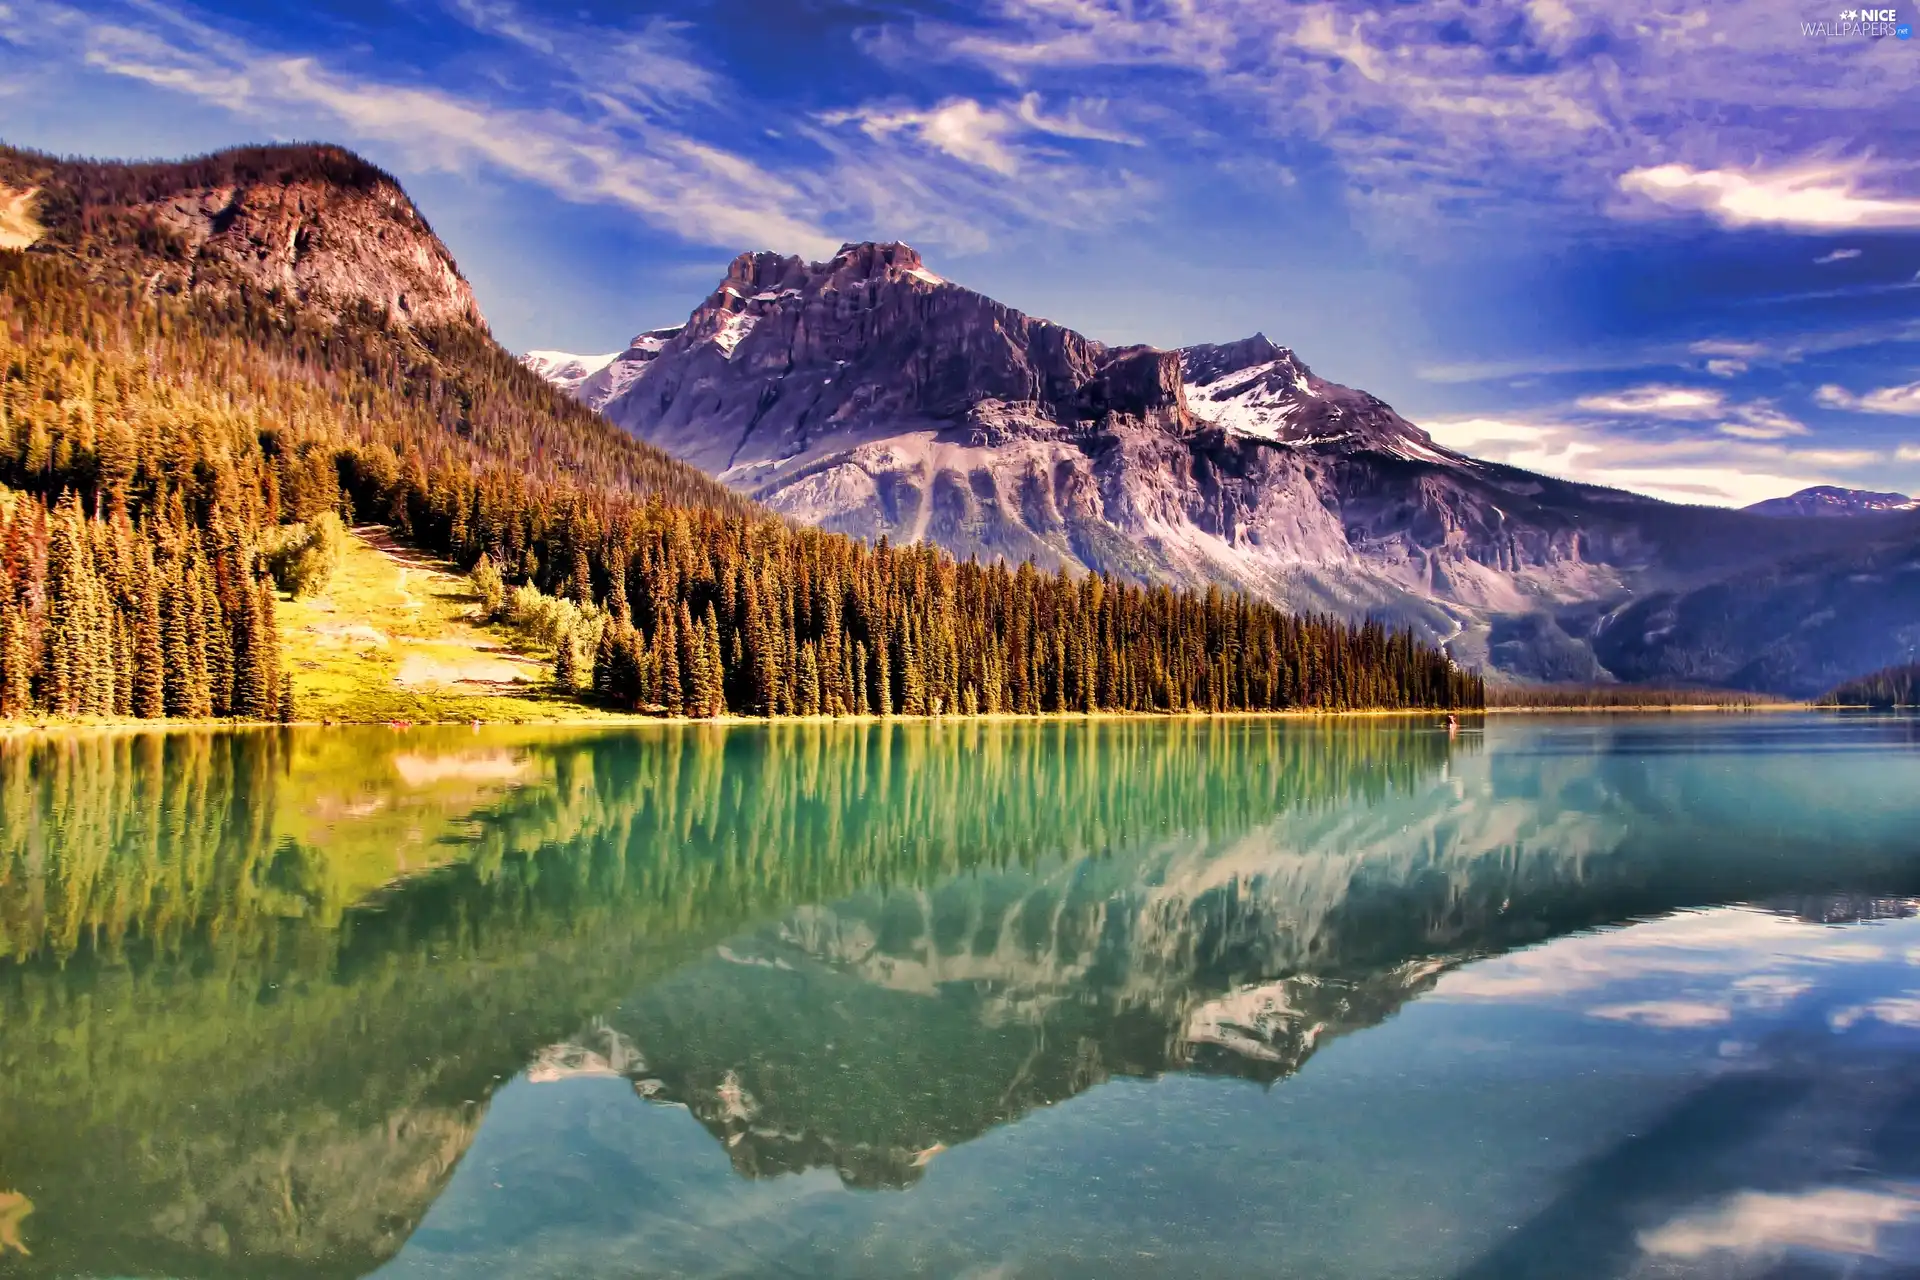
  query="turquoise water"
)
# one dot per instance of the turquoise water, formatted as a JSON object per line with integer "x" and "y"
{"x": 1557, "y": 996}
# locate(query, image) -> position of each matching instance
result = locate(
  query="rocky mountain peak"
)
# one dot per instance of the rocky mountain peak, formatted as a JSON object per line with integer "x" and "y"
{"x": 871, "y": 261}
{"x": 1209, "y": 361}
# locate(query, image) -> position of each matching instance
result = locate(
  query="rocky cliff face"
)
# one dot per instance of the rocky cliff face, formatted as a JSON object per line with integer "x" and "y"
{"x": 313, "y": 225}
{"x": 870, "y": 396}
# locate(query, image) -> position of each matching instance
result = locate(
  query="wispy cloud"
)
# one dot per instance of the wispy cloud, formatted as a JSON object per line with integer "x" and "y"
{"x": 1902, "y": 400}
{"x": 1838, "y": 255}
{"x": 1778, "y": 349}
{"x": 1751, "y": 420}
{"x": 632, "y": 116}
{"x": 1449, "y": 107}
{"x": 614, "y": 154}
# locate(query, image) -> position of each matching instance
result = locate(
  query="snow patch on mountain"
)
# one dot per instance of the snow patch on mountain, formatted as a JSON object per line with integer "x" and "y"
{"x": 1245, "y": 403}
{"x": 596, "y": 380}
{"x": 564, "y": 369}
{"x": 733, "y": 329}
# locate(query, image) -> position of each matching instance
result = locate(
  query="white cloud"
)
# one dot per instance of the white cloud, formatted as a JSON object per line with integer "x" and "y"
{"x": 975, "y": 133}
{"x": 1903, "y": 400}
{"x": 1706, "y": 470}
{"x": 1658, "y": 401}
{"x": 1733, "y": 958}
{"x": 1838, "y": 255}
{"x": 1754, "y": 420}
{"x": 1668, "y": 1015}
{"x": 1895, "y": 1011}
{"x": 1727, "y": 368}
{"x": 1817, "y": 196}
{"x": 1831, "y": 1220}
{"x": 960, "y": 127}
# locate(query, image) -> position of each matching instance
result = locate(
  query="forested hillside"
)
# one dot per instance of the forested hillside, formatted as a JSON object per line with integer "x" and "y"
{"x": 174, "y": 417}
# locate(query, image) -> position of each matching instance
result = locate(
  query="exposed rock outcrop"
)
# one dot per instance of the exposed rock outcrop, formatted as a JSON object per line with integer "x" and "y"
{"x": 314, "y": 225}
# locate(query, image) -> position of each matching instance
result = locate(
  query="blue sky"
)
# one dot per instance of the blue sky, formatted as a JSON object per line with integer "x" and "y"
{"x": 1671, "y": 247}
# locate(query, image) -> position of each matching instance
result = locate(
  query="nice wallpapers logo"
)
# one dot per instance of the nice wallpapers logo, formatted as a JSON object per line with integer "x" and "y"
{"x": 1874, "y": 24}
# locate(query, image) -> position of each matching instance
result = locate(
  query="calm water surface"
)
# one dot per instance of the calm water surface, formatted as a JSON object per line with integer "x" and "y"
{"x": 1556, "y": 997}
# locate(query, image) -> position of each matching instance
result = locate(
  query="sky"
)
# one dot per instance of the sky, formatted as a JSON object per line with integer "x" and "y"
{"x": 1669, "y": 247}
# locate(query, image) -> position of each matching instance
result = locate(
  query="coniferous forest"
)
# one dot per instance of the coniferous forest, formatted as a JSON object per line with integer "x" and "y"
{"x": 1887, "y": 688}
{"x": 154, "y": 445}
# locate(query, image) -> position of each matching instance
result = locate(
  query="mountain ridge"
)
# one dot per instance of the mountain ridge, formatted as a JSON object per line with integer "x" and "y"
{"x": 1831, "y": 501}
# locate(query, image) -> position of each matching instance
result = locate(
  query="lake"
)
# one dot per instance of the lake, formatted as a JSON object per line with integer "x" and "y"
{"x": 1556, "y": 996}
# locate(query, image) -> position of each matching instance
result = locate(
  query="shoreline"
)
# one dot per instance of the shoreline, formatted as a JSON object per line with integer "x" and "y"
{"x": 605, "y": 720}
{"x": 1687, "y": 707}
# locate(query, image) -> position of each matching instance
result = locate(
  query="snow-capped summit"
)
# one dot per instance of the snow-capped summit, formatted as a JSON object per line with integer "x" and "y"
{"x": 564, "y": 369}
{"x": 595, "y": 380}
{"x": 1256, "y": 389}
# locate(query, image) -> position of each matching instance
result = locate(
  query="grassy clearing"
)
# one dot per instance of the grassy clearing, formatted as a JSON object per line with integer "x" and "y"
{"x": 18, "y": 225}
{"x": 395, "y": 636}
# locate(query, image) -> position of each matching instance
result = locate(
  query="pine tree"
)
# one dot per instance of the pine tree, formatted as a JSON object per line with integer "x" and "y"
{"x": 64, "y": 636}
{"x": 809, "y": 681}
{"x": 177, "y": 641}
{"x": 16, "y": 693}
{"x": 565, "y": 673}
{"x": 149, "y": 673}
{"x": 714, "y": 676}
{"x": 666, "y": 663}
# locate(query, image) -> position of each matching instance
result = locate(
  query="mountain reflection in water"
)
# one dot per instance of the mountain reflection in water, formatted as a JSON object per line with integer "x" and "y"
{"x": 259, "y": 988}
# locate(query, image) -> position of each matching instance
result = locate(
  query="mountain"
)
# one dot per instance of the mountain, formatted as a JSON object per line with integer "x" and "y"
{"x": 1829, "y": 500}
{"x": 870, "y": 396}
{"x": 313, "y": 225}
{"x": 276, "y": 250}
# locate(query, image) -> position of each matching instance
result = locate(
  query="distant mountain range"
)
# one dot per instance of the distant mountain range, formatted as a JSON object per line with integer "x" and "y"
{"x": 868, "y": 395}
{"x": 1829, "y": 500}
